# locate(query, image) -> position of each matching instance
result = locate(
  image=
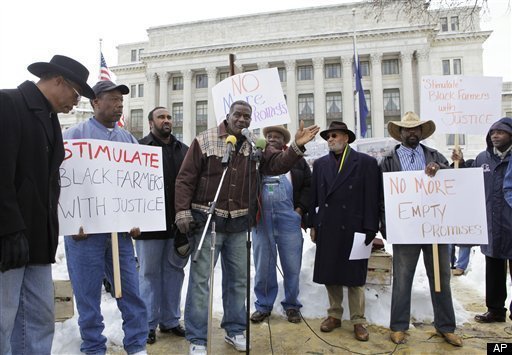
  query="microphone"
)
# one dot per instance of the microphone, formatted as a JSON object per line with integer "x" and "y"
{"x": 231, "y": 142}
{"x": 261, "y": 143}
{"x": 249, "y": 137}
{"x": 257, "y": 153}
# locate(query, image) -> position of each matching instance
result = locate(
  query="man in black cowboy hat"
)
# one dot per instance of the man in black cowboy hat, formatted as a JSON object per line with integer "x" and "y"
{"x": 31, "y": 152}
{"x": 344, "y": 200}
{"x": 407, "y": 156}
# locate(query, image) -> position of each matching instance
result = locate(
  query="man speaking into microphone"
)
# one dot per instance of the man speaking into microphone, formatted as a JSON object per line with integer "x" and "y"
{"x": 196, "y": 185}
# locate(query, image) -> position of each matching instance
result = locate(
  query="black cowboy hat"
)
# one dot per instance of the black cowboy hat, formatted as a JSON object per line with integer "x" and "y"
{"x": 339, "y": 126}
{"x": 68, "y": 68}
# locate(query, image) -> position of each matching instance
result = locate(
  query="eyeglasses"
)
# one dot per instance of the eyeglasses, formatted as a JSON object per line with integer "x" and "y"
{"x": 77, "y": 94}
{"x": 331, "y": 135}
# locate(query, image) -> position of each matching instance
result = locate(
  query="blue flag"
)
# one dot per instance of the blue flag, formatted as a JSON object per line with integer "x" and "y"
{"x": 363, "y": 108}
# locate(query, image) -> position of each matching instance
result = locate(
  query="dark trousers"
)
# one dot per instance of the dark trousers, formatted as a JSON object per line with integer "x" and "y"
{"x": 496, "y": 284}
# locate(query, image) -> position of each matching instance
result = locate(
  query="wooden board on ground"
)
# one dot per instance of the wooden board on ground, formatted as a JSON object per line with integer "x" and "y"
{"x": 380, "y": 268}
{"x": 63, "y": 296}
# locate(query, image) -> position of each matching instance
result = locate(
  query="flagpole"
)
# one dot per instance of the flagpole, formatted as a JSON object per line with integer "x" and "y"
{"x": 101, "y": 49}
{"x": 355, "y": 67}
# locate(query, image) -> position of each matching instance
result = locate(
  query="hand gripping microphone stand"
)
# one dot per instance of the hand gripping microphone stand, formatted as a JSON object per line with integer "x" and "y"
{"x": 231, "y": 142}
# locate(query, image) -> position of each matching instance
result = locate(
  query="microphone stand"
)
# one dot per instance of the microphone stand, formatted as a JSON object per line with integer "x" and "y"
{"x": 253, "y": 156}
{"x": 211, "y": 212}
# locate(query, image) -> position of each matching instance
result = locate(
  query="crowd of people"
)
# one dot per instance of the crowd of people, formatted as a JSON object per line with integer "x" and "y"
{"x": 340, "y": 197}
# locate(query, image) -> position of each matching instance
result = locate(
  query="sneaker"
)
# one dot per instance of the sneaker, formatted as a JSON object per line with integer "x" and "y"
{"x": 293, "y": 315}
{"x": 142, "y": 352}
{"x": 151, "y": 337}
{"x": 238, "y": 341}
{"x": 195, "y": 349}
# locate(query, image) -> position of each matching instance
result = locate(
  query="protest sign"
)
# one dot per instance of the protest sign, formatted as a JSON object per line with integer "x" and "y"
{"x": 446, "y": 209}
{"x": 461, "y": 104}
{"x": 261, "y": 89}
{"x": 110, "y": 186}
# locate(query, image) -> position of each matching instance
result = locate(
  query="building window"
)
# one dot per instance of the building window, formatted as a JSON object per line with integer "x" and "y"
{"x": 391, "y": 107}
{"x": 450, "y": 139}
{"x": 333, "y": 105}
{"x": 305, "y": 72}
{"x": 390, "y": 67}
{"x": 332, "y": 71}
{"x": 141, "y": 51}
{"x": 368, "y": 97}
{"x": 135, "y": 123}
{"x": 307, "y": 109}
{"x": 364, "y": 66}
{"x": 201, "y": 81}
{"x": 134, "y": 55}
{"x": 454, "y": 23}
{"x": 452, "y": 66}
{"x": 177, "y": 114}
{"x": 140, "y": 92}
{"x": 444, "y": 24}
{"x": 201, "y": 116}
{"x": 177, "y": 83}
{"x": 282, "y": 74}
{"x": 223, "y": 75}
{"x": 133, "y": 91}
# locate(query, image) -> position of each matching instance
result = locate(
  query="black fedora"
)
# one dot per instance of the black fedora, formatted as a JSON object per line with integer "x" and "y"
{"x": 339, "y": 126}
{"x": 68, "y": 68}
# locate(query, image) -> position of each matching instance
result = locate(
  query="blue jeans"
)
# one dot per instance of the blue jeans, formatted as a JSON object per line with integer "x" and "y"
{"x": 232, "y": 247}
{"x": 278, "y": 230}
{"x": 27, "y": 320}
{"x": 462, "y": 261}
{"x": 405, "y": 259}
{"x": 88, "y": 262}
{"x": 161, "y": 278}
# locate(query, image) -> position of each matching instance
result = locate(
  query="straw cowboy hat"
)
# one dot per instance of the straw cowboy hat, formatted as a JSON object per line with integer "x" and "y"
{"x": 69, "y": 68}
{"x": 411, "y": 120}
{"x": 279, "y": 129}
{"x": 339, "y": 126}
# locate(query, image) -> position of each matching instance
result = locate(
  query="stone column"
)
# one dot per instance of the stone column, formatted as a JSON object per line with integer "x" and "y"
{"x": 188, "y": 121}
{"x": 150, "y": 99}
{"x": 348, "y": 92}
{"x": 164, "y": 87}
{"x": 320, "y": 116}
{"x": 291, "y": 96}
{"x": 212, "y": 80}
{"x": 407, "y": 82}
{"x": 377, "y": 100}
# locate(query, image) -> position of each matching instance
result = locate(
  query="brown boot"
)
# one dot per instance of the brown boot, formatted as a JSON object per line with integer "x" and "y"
{"x": 329, "y": 324}
{"x": 398, "y": 337}
{"x": 452, "y": 338}
{"x": 360, "y": 332}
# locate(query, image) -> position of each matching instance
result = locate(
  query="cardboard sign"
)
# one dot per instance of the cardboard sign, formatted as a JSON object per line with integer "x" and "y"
{"x": 461, "y": 104}
{"x": 446, "y": 209}
{"x": 111, "y": 187}
{"x": 261, "y": 89}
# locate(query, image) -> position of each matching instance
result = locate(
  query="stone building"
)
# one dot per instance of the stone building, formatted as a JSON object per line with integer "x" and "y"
{"x": 312, "y": 49}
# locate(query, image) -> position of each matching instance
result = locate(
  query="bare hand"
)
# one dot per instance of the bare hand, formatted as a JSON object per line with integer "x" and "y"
{"x": 299, "y": 211}
{"x": 305, "y": 135}
{"x": 312, "y": 234}
{"x": 135, "y": 232}
{"x": 431, "y": 169}
{"x": 457, "y": 155}
{"x": 81, "y": 235}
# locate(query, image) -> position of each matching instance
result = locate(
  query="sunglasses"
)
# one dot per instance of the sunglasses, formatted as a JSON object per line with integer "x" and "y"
{"x": 331, "y": 135}
{"x": 77, "y": 94}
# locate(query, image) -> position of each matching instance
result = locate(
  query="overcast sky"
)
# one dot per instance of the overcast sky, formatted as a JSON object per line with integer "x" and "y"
{"x": 35, "y": 30}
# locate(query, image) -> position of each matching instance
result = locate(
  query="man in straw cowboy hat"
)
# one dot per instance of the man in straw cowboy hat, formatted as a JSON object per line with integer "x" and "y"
{"x": 407, "y": 156}
{"x": 284, "y": 201}
{"x": 345, "y": 190}
{"x": 31, "y": 151}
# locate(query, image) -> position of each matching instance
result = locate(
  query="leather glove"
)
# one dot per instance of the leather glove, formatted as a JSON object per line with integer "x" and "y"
{"x": 183, "y": 224}
{"x": 14, "y": 251}
{"x": 370, "y": 236}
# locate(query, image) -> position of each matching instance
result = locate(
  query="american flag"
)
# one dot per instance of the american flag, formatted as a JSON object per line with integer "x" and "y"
{"x": 104, "y": 72}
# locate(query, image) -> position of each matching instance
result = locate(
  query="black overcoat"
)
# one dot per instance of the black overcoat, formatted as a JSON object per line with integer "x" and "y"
{"x": 31, "y": 151}
{"x": 342, "y": 204}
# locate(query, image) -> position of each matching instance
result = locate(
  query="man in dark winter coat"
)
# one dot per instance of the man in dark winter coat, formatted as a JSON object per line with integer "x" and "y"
{"x": 161, "y": 267}
{"x": 345, "y": 191}
{"x": 495, "y": 161}
{"x": 408, "y": 156}
{"x": 31, "y": 151}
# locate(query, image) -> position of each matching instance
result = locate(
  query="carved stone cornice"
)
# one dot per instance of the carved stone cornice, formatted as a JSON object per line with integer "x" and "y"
{"x": 318, "y": 63}
{"x": 187, "y": 74}
{"x": 347, "y": 61}
{"x": 151, "y": 77}
{"x": 376, "y": 58}
{"x": 406, "y": 56}
{"x": 212, "y": 72}
{"x": 290, "y": 65}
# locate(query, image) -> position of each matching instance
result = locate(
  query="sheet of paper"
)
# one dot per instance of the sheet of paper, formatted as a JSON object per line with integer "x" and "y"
{"x": 359, "y": 250}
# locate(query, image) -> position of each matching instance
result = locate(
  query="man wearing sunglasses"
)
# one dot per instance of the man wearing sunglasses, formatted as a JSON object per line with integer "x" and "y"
{"x": 345, "y": 191}
{"x": 31, "y": 152}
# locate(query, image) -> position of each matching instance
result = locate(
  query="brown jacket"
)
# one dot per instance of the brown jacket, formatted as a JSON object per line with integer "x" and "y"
{"x": 201, "y": 172}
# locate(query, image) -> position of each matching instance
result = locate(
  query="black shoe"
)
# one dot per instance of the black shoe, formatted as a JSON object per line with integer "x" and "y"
{"x": 293, "y": 315}
{"x": 177, "y": 330}
{"x": 258, "y": 316}
{"x": 490, "y": 317}
{"x": 151, "y": 337}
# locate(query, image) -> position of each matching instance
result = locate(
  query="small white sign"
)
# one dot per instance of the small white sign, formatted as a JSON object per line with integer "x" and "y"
{"x": 359, "y": 249}
{"x": 261, "y": 89}
{"x": 446, "y": 209}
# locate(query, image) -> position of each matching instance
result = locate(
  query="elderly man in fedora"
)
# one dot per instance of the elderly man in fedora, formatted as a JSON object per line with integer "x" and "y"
{"x": 345, "y": 190}
{"x": 284, "y": 201}
{"x": 31, "y": 151}
{"x": 410, "y": 155}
